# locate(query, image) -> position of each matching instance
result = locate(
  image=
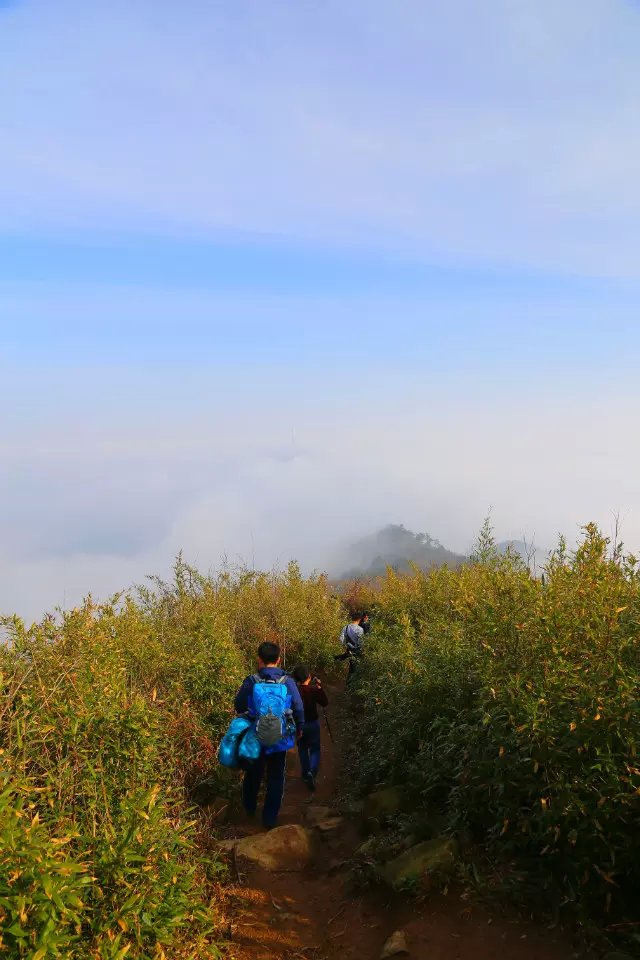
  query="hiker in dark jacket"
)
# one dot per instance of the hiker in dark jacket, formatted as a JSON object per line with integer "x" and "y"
{"x": 313, "y": 696}
{"x": 365, "y": 623}
{"x": 273, "y": 759}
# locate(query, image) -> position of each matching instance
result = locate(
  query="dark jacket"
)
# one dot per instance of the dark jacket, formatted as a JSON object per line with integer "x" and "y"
{"x": 242, "y": 700}
{"x": 312, "y": 698}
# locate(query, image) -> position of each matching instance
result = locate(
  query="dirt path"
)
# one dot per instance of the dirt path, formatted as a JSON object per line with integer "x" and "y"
{"x": 313, "y": 916}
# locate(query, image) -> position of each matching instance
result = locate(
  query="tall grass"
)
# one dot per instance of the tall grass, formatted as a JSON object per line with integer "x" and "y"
{"x": 511, "y": 703}
{"x": 110, "y": 714}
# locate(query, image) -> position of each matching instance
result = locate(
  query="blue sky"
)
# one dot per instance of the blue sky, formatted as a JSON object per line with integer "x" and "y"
{"x": 244, "y": 245}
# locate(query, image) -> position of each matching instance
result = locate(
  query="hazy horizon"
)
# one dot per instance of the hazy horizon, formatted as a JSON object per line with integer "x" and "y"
{"x": 275, "y": 275}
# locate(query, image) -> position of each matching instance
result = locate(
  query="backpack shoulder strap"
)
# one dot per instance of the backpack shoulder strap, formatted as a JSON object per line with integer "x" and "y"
{"x": 282, "y": 679}
{"x": 256, "y": 678}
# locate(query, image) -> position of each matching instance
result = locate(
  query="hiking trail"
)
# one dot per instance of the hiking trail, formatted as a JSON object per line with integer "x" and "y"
{"x": 314, "y": 914}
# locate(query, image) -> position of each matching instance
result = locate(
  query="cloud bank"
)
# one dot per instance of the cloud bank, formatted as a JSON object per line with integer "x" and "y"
{"x": 106, "y": 504}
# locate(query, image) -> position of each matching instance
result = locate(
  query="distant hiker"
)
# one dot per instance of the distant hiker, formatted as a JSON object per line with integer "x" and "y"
{"x": 271, "y": 700}
{"x": 352, "y": 639}
{"x": 365, "y": 623}
{"x": 313, "y": 696}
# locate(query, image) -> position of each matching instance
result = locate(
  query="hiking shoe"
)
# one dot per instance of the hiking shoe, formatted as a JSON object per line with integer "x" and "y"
{"x": 310, "y": 781}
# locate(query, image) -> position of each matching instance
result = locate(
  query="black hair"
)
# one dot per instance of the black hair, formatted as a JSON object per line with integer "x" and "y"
{"x": 269, "y": 653}
{"x": 356, "y": 615}
{"x": 301, "y": 673}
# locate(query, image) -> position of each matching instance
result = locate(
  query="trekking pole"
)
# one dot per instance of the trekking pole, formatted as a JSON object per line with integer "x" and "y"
{"x": 326, "y": 720}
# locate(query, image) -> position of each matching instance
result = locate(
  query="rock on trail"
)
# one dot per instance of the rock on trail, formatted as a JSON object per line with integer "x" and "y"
{"x": 288, "y": 848}
{"x": 431, "y": 856}
{"x": 381, "y": 806}
{"x": 395, "y": 946}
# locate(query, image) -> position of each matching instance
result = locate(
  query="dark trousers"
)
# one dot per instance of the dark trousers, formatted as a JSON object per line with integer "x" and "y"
{"x": 275, "y": 765}
{"x": 353, "y": 666}
{"x": 352, "y": 657}
{"x": 309, "y": 748}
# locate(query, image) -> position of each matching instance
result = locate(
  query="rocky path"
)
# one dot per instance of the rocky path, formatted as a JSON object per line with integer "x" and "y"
{"x": 314, "y": 912}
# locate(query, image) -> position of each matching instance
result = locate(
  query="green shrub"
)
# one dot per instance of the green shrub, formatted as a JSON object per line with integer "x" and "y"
{"x": 512, "y": 703}
{"x": 42, "y": 890}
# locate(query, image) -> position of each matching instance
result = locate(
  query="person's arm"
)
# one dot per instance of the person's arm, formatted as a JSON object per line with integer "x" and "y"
{"x": 321, "y": 698}
{"x": 241, "y": 702}
{"x": 297, "y": 706}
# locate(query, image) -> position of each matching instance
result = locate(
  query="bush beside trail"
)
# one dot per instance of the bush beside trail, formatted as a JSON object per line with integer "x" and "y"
{"x": 109, "y": 717}
{"x": 511, "y": 703}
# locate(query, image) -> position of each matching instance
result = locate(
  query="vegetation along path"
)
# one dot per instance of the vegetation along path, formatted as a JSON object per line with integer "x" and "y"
{"x": 316, "y": 909}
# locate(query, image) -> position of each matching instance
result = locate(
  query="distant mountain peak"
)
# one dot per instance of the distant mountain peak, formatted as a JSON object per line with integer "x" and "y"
{"x": 395, "y": 546}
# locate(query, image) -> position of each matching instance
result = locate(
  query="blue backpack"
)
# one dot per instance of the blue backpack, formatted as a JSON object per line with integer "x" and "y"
{"x": 270, "y": 704}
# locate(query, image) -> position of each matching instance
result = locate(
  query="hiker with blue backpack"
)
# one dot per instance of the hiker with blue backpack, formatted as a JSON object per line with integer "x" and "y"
{"x": 271, "y": 702}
